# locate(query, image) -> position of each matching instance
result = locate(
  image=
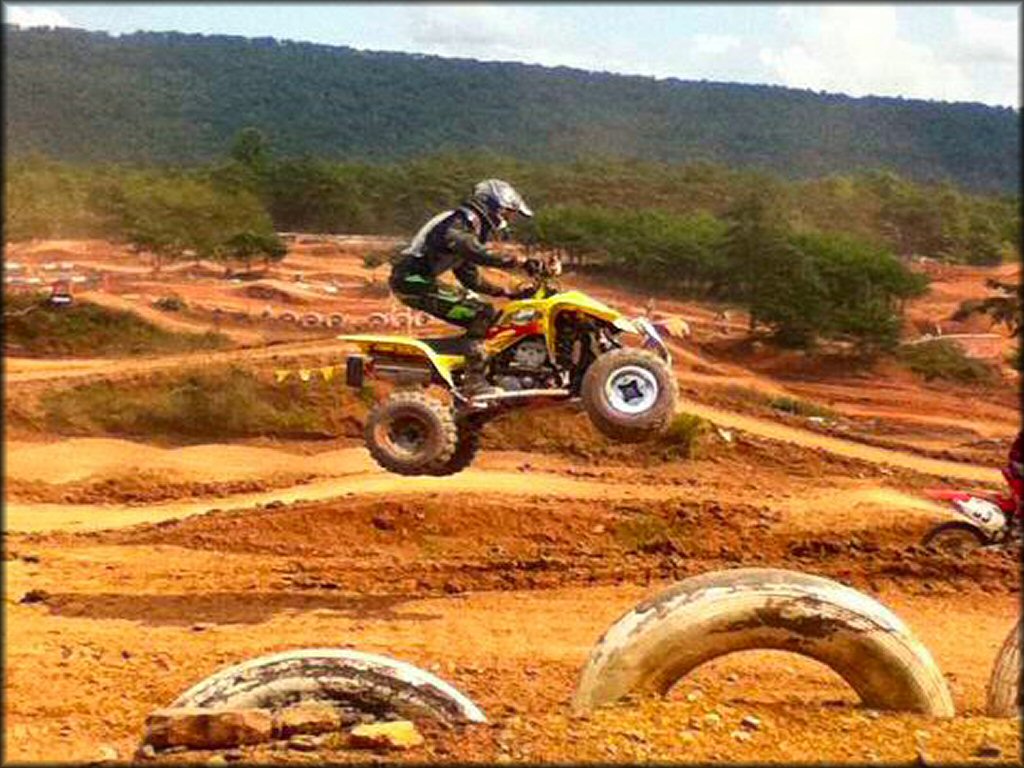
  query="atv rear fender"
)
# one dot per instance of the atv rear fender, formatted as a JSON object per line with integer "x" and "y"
{"x": 397, "y": 351}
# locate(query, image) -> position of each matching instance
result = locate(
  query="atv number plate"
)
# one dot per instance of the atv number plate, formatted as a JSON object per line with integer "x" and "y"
{"x": 981, "y": 511}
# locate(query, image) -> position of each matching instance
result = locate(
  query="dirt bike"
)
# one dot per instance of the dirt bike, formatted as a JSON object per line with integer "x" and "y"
{"x": 548, "y": 348}
{"x": 986, "y": 520}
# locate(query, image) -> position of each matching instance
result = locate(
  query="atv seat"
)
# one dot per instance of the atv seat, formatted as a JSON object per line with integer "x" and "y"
{"x": 449, "y": 345}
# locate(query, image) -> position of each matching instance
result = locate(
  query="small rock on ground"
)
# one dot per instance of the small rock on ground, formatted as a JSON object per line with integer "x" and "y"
{"x": 303, "y": 743}
{"x": 988, "y": 749}
{"x": 401, "y": 734}
{"x": 751, "y": 723}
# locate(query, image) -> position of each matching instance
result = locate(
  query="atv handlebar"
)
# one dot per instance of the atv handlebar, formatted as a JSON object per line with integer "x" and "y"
{"x": 542, "y": 271}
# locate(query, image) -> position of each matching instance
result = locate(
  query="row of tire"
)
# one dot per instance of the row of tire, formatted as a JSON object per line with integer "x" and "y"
{"x": 317, "y": 320}
{"x": 650, "y": 649}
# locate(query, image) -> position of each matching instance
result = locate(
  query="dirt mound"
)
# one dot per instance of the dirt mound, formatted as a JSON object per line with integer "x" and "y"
{"x": 267, "y": 292}
{"x": 388, "y": 546}
{"x": 144, "y": 487}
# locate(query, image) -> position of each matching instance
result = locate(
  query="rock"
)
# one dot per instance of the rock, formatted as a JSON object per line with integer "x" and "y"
{"x": 872, "y": 714}
{"x": 713, "y": 719}
{"x": 201, "y": 627}
{"x": 694, "y": 696}
{"x": 233, "y": 755}
{"x": 400, "y": 734}
{"x": 217, "y": 760}
{"x": 35, "y": 596}
{"x": 30, "y": 558}
{"x": 750, "y": 723}
{"x": 303, "y": 743}
{"x": 453, "y": 588}
{"x": 741, "y": 735}
{"x": 382, "y": 523}
{"x": 108, "y": 754}
{"x": 200, "y": 728}
{"x": 988, "y": 749}
{"x": 310, "y": 718}
{"x": 145, "y": 752}
{"x": 687, "y": 737}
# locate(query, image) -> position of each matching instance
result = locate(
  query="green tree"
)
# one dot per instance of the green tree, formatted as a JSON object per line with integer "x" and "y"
{"x": 248, "y": 245}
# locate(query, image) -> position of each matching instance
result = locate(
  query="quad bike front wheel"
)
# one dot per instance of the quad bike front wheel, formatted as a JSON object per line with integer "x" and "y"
{"x": 954, "y": 538}
{"x": 629, "y": 394}
{"x": 411, "y": 433}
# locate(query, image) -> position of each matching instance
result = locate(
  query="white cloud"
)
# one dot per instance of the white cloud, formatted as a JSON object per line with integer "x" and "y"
{"x": 984, "y": 39}
{"x": 489, "y": 32}
{"x": 35, "y": 17}
{"x": 714, "y": 45}
{"x": 861, "y": 50}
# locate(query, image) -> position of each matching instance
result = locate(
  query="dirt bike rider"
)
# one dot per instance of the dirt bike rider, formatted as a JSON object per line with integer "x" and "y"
{"x": 456, "y": 240}
{"x": 1014, "y": 471}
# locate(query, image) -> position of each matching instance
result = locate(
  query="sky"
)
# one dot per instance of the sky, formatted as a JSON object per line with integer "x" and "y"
{"x": 948, "y": 52}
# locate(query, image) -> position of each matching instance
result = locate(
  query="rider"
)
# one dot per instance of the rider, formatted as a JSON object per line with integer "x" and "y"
{"x": 456, "y": 240}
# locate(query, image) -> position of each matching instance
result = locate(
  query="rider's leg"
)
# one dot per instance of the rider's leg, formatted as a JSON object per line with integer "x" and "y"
{"x": 476, "y": 316}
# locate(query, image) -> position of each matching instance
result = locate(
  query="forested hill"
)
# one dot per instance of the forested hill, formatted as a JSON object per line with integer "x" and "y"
{"x": 180, "y": 99}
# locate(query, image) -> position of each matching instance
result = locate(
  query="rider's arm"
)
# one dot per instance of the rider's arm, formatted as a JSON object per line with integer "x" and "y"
{"x": 464, "y": 242}
{"x": 470, "y": 276}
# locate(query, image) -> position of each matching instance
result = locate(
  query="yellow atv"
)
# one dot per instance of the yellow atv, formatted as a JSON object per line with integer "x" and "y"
{"x": 552, "y": 347}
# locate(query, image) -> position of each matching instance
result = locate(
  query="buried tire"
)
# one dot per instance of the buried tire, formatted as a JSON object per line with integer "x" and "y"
{"x": 629, "y": 394}
{"x": 702, "y": 618}
{"x": 361, "y": 681}
{"x": 410, "y": 433}
{"x": 1003, "y": 694}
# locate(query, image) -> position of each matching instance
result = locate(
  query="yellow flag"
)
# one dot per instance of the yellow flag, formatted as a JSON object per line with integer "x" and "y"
{"x": 327, "y": 373}
{"x": 304, "y": 374}
{"x": 281, "y": 375}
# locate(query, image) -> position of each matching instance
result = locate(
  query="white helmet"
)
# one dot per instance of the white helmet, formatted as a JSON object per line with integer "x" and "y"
{"x": 498, "y": 196}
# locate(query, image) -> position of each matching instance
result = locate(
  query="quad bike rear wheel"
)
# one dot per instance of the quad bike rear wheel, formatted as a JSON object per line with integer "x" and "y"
{"x": 629, "y": 394}
{"x": 411, "y": 433}
{"x": 465, "y": 450}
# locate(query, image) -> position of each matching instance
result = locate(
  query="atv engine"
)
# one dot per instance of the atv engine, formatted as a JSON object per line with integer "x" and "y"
{"x": 524, "y": 366}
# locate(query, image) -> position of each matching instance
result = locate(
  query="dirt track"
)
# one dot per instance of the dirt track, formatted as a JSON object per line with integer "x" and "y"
{"x": 155, "y": 566}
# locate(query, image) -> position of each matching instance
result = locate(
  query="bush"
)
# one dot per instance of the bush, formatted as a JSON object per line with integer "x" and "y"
{"x": 801, "y": 407}
{"x": 172, "y": 303}
{"x": 210, "y": 403}
{"x": 88, "y": 330}
{"x": 685, "y": 435}
{"x": 943, "y": 359}
{"x": 648, "y": 534}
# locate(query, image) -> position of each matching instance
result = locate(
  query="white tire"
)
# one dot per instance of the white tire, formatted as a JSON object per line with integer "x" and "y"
{"x": 361, "y": 680}
{"x": 1004, "y": 684}
{"x": 708, "y": 616}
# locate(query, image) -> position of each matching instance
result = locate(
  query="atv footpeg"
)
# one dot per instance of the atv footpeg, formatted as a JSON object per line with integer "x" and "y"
{"x": 492, "y": 398}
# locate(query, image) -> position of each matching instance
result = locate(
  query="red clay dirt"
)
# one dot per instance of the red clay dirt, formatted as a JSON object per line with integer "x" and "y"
{"x": 149, "y": 567}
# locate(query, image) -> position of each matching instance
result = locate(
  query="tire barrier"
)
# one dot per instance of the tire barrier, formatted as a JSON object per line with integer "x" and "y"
{"x": 336, "y": 320}
{"x": 287, "y": 317}
{"x": 1003, "y": 690}
{"x": 311, "y": 320}
{"x": 702, "y": 618}
{"x": 360, "y": 681}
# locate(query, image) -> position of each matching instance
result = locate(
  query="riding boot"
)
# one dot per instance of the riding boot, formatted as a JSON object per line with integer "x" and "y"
{"x": 474, "y": 382}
